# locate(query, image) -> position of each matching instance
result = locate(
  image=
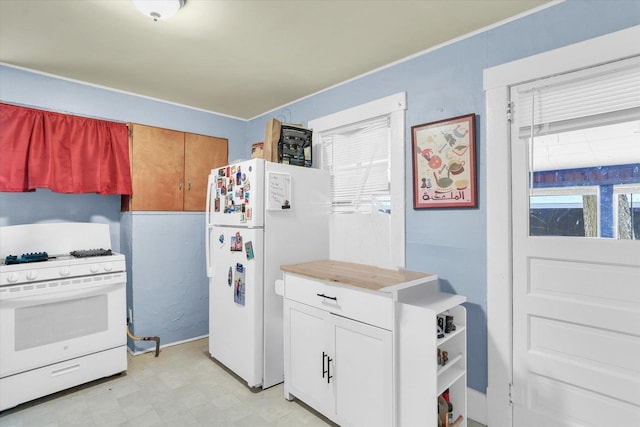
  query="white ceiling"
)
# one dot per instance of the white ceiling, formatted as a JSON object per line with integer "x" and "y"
{"x": 241, "y": 58}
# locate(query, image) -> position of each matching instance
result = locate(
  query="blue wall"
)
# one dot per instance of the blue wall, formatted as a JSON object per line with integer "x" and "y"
{"x": 443, "y": 83}
{"x": 167, "y": 285}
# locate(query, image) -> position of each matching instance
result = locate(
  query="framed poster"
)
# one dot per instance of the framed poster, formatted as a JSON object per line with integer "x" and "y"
{"x": 444, "y": 169}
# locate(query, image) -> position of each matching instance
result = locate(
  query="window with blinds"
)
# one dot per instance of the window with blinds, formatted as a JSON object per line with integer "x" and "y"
{"x": 357, "y": 157}
{"x": 583, "y": 99}
{"x": 583, "y": 129}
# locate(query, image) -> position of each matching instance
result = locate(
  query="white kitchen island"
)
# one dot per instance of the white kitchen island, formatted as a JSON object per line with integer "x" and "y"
{"x": 361, "y": 344}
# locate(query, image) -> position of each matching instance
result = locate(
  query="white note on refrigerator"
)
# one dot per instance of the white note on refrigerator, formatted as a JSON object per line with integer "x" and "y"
{"x": 279, "y": 191}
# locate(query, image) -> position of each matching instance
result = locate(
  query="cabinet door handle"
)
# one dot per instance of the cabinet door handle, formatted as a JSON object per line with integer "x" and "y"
{"x": 189, "y": 188}
{"x": 180, "y": 186}
{"x": 324, "y": 370}
{"x": 328, "y": 297}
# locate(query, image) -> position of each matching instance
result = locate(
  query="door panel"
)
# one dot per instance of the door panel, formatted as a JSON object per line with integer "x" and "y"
{"x": 201, "y": 154}
{"x": 36, "y": 329}
{"x": 363, "y": 373}
{"x": 308, "y": 352}
{"x": 157, "y": 156}
{"x": 235, "y": 303}
{"x": 576, "y": 297}
{"x": 568, "y": 406}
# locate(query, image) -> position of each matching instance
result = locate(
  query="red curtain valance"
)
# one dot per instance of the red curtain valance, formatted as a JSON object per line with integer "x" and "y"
{"x": 65, "y": 153}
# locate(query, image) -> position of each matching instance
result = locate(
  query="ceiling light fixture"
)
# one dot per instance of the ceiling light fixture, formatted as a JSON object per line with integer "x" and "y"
{"x": 158, "y": 9}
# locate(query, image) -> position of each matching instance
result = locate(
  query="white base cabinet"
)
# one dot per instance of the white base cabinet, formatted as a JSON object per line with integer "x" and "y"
{"x": 366, "y": 355}
{"x": 340, "y": 367}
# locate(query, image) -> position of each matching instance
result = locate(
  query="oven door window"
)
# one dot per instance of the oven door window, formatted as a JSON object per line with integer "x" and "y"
{"x": 43, "y": 324}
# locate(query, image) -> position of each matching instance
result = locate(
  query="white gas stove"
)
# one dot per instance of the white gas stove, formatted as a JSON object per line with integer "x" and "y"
{"x": 62, "y": 316}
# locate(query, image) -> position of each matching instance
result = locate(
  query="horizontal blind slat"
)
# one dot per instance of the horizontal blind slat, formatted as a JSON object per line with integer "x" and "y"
{"x": 593, "y": 96}
{"x": 357, "y": 157}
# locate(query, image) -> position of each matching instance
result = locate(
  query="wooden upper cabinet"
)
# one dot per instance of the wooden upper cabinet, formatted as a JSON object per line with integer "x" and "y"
{"x": 169, "y": 169}
{"x": 201, "y": 154}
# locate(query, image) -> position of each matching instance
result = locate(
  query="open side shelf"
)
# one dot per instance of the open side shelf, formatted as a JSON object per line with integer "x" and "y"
{"x": 449, "y": 377}
{"x": 459, "y": 329}
{"x": 449, "y": 364}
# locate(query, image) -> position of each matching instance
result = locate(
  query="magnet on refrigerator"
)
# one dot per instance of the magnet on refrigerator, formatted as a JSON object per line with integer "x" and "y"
{"x": 239, "y": 289}
{"x": 249, "y": 248}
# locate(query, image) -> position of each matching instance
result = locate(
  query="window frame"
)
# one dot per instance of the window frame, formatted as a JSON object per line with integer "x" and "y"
{"x": 617, "y": 190}
{"x": 586, "y": 190}
{"x": 393, "y": 106}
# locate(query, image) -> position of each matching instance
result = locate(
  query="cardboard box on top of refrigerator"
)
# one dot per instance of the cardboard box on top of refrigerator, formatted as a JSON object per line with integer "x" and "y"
{"x": 257, "y": 150}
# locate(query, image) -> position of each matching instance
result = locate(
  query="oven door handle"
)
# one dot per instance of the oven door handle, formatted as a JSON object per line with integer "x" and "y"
{"x": 42, "y": 296}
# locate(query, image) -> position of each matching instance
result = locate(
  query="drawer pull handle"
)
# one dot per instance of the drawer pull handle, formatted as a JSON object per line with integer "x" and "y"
{"x": 64, "y": 371}
{"x": 328, "y": 297}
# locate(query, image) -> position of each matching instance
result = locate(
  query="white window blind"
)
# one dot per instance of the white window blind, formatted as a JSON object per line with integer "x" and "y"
{"x": 611, "y": 95}
{"x": 357, "y": 158}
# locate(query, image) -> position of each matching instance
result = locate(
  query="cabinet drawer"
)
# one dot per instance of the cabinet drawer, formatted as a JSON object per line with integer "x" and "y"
{"x": 344, "y": 300}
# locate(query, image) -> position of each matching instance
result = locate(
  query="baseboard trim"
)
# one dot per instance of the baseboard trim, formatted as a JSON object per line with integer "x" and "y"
{"x": 477, "y": 406}
{"x": 153, "y": 348}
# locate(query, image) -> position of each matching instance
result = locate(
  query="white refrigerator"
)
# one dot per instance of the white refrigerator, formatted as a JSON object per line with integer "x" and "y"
{"x": 260, "y": 215}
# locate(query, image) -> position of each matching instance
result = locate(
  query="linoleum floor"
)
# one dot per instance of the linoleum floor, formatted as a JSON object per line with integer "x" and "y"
{"x": 182, "y": 387}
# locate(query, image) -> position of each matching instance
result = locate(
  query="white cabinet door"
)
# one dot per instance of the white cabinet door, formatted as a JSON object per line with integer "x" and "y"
{"x": 362, "y": 370}
{"x": 306, "y": 356}
{"x": 340, "y": 367}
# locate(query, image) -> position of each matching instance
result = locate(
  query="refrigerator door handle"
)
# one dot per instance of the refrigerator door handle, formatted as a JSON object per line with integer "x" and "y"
{"x": 207, "y": 208}
{"x": 207, "y": 250}
{"x": 207, "y": 229}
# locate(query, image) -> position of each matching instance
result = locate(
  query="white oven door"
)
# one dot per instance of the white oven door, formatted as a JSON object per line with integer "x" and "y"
{"x": 49, "y": 322}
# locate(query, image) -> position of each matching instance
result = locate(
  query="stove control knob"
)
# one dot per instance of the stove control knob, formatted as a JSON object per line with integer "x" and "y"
{"x": 94, "y": 268}
{"x": 32, "y": 275}
{"x": 108, "y": 267}
{"x": 65, "y": 271}
{"x": 13, "y": 278}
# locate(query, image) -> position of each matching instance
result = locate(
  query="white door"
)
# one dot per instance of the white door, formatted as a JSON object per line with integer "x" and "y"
{"x": 235, "y": 301}
{"x": 576, "y": 300}
{"x": 362, "y": 371}
{"x": 308, "y": 362}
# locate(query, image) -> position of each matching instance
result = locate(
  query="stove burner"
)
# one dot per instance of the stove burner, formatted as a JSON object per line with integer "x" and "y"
{"x": 24, "y": 258}
{"x": 85, "y": 253}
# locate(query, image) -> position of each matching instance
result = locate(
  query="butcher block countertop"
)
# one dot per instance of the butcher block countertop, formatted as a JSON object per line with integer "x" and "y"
{"x": 360, "y": 275}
